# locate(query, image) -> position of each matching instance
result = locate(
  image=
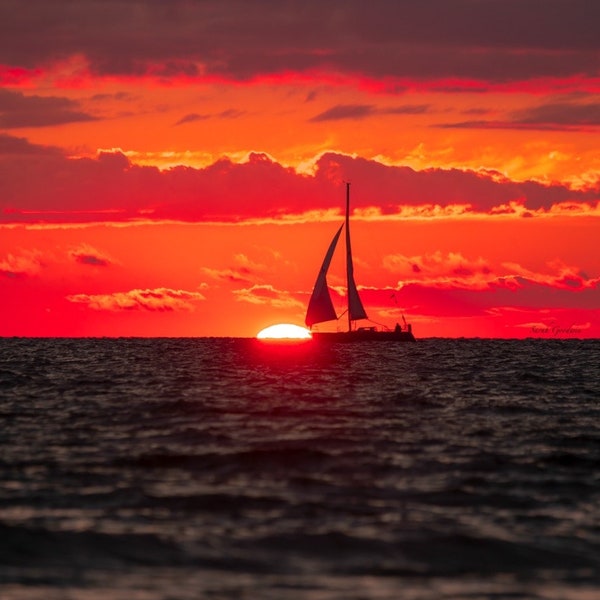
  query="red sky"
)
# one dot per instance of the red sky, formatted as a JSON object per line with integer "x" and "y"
{"x": 177, "y": 168}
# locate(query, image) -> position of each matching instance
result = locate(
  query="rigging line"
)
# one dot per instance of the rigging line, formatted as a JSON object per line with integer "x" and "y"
{"x": 380, "y": 324}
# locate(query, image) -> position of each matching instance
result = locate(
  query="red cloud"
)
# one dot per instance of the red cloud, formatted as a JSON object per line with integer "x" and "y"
{"x": 439, "y": 270}
{"x": 454, "y": 271}
{"x": 564, "y": 277}
{"x": 440, "y": 302}
{"x": 158, "y": 299}
{"x": 12, "y": 76}
{"x": 62, "y": 189}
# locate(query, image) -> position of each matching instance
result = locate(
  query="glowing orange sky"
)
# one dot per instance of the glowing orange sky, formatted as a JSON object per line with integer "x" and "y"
{"x": 177, "y": 168}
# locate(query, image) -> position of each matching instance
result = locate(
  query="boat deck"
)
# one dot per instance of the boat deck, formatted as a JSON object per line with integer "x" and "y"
{"x": 363, "y": 335}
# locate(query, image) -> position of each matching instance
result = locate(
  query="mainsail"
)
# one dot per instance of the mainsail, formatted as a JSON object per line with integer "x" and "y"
{"x": 320, "y": 306}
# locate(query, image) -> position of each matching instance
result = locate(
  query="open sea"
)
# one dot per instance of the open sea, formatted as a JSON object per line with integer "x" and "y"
{"x": 147, "y": 469}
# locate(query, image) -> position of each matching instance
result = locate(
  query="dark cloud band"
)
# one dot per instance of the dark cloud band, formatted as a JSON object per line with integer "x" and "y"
{"x": 492, "y": 40}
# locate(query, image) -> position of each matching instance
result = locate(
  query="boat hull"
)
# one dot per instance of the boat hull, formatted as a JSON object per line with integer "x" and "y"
{"x": 363, "y": 335}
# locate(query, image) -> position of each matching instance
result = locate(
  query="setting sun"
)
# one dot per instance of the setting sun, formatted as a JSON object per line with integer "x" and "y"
{"x": 284, "y": 331}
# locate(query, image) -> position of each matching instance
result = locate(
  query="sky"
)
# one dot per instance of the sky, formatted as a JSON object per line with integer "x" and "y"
{"x": 178, "y": 168}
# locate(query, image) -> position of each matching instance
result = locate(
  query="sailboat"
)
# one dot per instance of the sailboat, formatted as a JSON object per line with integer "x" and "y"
{"x": 320, "y": 307}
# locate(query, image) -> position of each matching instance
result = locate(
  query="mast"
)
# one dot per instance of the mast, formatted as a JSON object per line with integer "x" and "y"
{"x": 349, "y": 265}
{"x": 355, "y": 308}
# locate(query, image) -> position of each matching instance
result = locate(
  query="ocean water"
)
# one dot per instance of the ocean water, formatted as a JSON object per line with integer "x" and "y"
{"x": 228, "y": 468}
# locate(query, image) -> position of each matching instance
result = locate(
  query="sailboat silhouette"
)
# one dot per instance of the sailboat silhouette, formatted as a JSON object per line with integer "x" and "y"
{"x": 320, "y": 307}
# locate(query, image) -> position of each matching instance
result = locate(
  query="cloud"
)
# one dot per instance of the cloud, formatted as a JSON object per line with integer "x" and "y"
{"x": 229, "y": 275}
{"x": 18, "y": 110}
{"x": 111, "y": 187}
{"x": 89, "y": 259}
{"x": 230, "y": 113}
{"x": 568, "y": 116}
{"x": 453, "y": 271}
{"x": 10, "y": 76}
{"x": 562, "y": 276}
{"x": 11, "y": 146}
{"x": 267, "y": 294}
{"x": 520, "y": 294}
{"x": 245, "y": 271}
{"x": 393, "y": 186}
{"x": 191, "y": 118}
{"x": 158, "y": 299}
{"x": 360, "y": 111}
{"x": 87, "y": 255}
{"x": 345, "y": 111}
{"x": 560, "y": 115}
{"x": 24, "y": 265}
{"x": 460, "y": 41}
{"x": 120, "y": 96}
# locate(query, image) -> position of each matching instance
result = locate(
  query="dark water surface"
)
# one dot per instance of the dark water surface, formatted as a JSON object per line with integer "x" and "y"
{"x": 226, "y": 468}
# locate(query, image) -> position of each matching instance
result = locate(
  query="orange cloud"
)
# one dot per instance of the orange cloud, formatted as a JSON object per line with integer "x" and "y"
{"x": 267, "y": 294}
{"x": 87, "y": 255}
{"x": 158, "y": 299}
{"x": 230, "y": 275}
{"x": 23, "y": 265}
{"x": 451, "y": 269}
{"x": 245, "y": 271}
